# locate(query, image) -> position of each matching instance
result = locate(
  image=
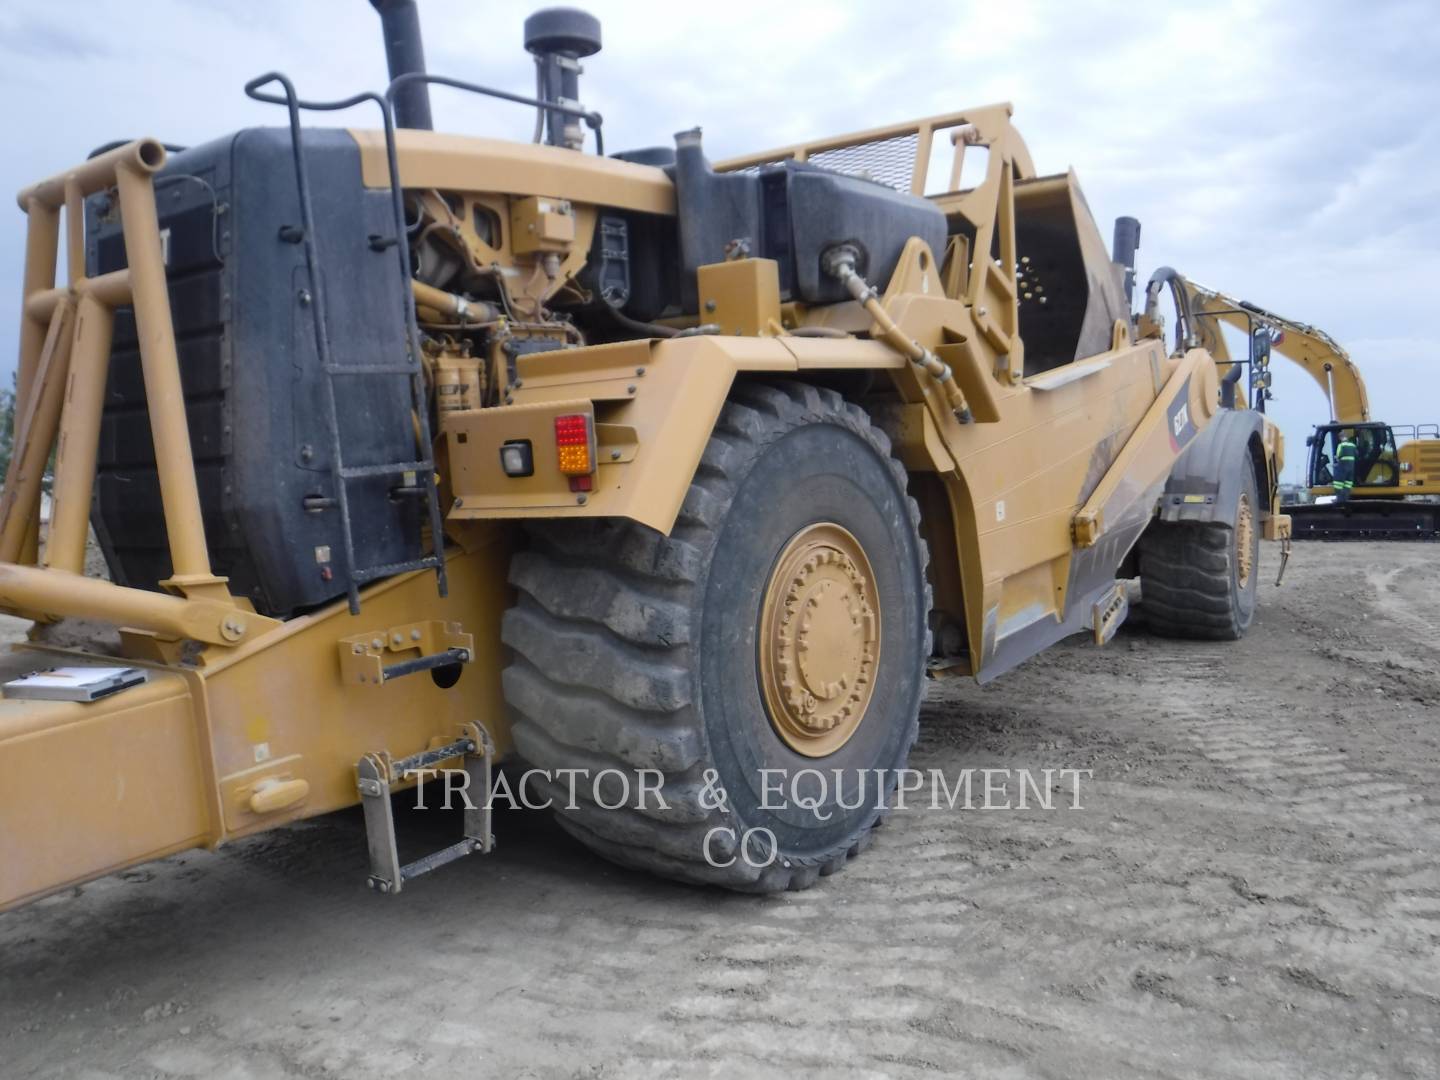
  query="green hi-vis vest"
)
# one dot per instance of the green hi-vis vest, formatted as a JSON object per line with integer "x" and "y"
{"x": 1345, "y": 455}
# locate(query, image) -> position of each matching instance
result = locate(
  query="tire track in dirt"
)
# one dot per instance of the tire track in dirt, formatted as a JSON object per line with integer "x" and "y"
{"x": 1391, "y": 604}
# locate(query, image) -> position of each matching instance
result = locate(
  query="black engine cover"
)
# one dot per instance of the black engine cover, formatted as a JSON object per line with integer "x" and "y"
{"x": 242, "y": 304}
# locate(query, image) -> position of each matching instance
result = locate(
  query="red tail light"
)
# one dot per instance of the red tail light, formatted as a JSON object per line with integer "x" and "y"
{"x": 575, "y": 444}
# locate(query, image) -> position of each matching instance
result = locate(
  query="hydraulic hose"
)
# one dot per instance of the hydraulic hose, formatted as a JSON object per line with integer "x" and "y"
{"x": 649, "y": 329}
{"x": 839, "y": 262}
{"x": 1166, "y": 275}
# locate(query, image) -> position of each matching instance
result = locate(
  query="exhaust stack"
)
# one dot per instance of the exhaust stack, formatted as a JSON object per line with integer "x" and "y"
{"x": 559, "y": 38}
{"x": 405, "y": 53}
{"x": 1127, "y": 242}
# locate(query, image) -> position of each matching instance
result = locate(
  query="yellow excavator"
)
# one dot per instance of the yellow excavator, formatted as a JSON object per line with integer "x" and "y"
{"x": 1397, "y": 467}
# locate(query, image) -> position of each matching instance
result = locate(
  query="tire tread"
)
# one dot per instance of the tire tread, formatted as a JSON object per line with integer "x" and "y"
{"x": 602, "y": 650}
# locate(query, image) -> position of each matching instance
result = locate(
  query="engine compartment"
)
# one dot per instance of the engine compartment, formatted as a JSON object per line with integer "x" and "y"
{"x": 500, "y": 269}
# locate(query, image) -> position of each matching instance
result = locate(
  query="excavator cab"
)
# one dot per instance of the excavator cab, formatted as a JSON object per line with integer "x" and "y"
{"x": 1377, "y": 462}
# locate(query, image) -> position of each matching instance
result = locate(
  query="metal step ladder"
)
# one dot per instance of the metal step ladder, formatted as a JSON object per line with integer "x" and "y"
{"x": 376, "y": 774}
{"x": 423, "y": 466}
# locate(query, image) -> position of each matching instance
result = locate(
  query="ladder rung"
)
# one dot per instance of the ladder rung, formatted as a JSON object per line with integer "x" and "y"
{"x": 436, "y": 859}
{"x": 374, "y": 780}
{"x": 427, "y": 759}
{"x": 353, "y": 472}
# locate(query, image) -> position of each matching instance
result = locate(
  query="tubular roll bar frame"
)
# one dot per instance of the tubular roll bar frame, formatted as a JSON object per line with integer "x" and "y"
{"x": 65, "y": 338}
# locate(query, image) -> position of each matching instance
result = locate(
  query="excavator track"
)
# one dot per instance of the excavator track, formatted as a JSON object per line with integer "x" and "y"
{"x": 1372, "y": 519}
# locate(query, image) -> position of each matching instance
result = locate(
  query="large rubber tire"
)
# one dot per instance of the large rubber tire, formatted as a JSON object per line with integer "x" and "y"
{"x": 634, "y": 650}
{"x": 1191, "y": 581}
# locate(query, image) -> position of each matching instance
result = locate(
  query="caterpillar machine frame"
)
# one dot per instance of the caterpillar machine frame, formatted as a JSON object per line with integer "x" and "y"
{"x": 1397, "y": 471}
{"x": 407, "y": 449}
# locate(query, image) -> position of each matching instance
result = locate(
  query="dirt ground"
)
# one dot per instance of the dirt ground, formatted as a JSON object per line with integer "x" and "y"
{"x": 1250, "y": 889}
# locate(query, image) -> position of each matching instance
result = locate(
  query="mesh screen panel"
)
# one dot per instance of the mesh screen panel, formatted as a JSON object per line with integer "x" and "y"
{"x": 886, "y": 161}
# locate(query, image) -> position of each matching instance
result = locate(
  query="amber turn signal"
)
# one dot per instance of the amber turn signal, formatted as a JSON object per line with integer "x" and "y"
{"x": 575, "y": 444}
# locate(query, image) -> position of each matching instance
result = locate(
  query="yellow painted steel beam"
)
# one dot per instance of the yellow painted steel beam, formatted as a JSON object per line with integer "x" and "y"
{"x": 79, "y": 437}
{"x": 98, "y": 173}
{"x": 56, "y": 592}
{"x": 134, "y": 784}
{"x": 37, "y": 416}
{"x": 160, "y": 365}
{"x": 250, "y": 738}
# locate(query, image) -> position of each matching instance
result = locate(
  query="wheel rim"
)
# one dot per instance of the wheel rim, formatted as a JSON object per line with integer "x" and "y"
{"x": 819, "y": 640}
{"x": 1244, "y": 539}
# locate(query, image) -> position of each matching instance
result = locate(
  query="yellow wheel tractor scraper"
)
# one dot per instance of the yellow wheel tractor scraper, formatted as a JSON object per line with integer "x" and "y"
{"x": 410, "y": 451}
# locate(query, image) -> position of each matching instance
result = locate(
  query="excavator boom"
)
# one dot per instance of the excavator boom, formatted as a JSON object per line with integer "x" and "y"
{"x": 1320, "y": 355}
{"x": 1395, "y": 481}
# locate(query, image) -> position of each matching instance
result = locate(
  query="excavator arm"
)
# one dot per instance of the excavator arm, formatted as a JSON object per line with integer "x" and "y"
{"x": 1390, "y": 498}
{"x": 1314, "y": 350}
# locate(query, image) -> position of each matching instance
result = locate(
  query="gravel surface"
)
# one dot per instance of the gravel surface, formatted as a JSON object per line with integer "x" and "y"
{"x": 1249, "y": 889}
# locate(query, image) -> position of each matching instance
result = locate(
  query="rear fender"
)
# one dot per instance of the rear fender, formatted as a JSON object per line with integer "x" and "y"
{"x": 653, "y": 405}
{"x": 1205, "y": 482}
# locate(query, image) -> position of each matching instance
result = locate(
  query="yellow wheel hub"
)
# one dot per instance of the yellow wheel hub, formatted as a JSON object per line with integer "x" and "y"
{"x": 1244, "y": 540}
{"x": 819, "y": 640}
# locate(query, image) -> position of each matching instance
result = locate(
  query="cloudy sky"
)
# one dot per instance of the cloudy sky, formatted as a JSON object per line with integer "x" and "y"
{"x": 1287, "y": 151}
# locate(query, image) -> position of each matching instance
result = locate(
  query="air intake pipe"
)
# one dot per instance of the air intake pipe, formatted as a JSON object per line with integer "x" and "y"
{"x": 405, "y": 53}
{"x": 559, "y": 38}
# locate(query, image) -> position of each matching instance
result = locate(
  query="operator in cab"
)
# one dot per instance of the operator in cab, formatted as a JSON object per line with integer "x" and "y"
{"x": 1344, "y": 472}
